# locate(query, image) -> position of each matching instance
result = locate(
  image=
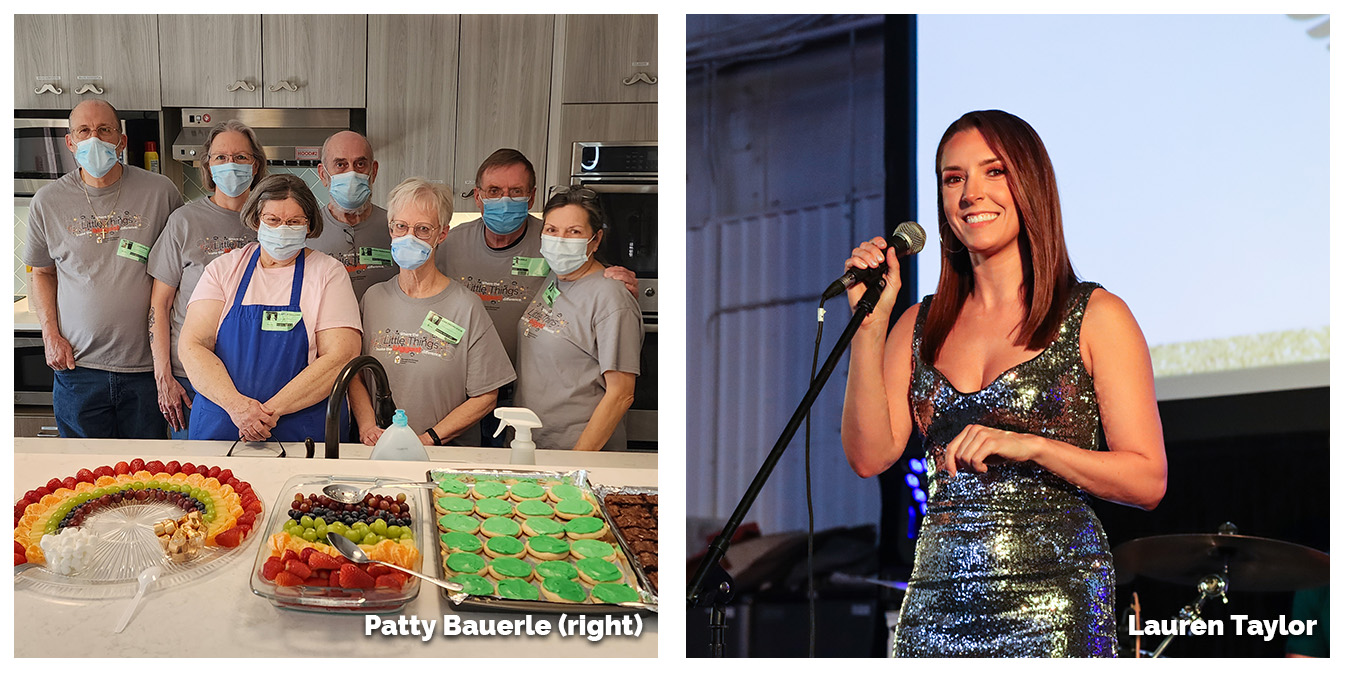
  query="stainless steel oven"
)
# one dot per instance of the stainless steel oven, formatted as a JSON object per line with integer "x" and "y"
{"x": 626, "y": 177}
{"x": 40, "y": 155}
{"x": 32, "y": 377}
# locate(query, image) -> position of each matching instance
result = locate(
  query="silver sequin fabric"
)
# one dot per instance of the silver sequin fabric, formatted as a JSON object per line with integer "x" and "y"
{"x": 1013, "y": 561}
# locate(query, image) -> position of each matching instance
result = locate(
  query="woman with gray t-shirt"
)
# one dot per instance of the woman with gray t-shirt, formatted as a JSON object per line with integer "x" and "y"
{"x": 580, "y": 338}
{"x": 196, "y": 234}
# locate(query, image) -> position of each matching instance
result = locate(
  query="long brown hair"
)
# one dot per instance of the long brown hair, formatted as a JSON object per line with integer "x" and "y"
{"x": 1048, "y": 275}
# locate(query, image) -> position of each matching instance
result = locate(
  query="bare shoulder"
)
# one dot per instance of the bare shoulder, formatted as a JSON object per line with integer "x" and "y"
{"x": 1109, "y": 328}
{"x": 1107, "y": 312}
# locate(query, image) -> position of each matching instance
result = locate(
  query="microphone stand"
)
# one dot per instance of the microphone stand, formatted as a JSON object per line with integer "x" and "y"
{"x": 721, "y": 589}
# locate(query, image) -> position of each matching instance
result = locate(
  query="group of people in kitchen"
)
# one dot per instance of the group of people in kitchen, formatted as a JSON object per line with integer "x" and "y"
{"x": 229, "y": 318}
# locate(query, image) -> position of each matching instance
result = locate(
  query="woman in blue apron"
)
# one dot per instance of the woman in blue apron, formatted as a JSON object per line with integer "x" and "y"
{"x": 253, "y": 363}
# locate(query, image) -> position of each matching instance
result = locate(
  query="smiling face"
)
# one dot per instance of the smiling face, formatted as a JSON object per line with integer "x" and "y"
{"x": 975, "y": 191}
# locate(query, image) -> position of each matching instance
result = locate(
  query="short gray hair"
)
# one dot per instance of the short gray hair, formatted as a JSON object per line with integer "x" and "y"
{"x": 281, "y": 187}
{"x": 259, "y": 154}
{"x": 419, "y": 191}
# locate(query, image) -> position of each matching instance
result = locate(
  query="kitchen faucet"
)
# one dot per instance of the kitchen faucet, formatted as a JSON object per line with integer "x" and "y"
{"x": 383, "y": 400}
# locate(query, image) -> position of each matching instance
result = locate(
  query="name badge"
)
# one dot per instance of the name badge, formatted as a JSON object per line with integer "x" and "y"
{"x": 441, "y": 328}
{"x": 280, "y": 320}
{"x": 527, "y": 265}
{"x": 373, "y": 256}
{"x": 550, "y": 293}
{"x": 130, "y": 249}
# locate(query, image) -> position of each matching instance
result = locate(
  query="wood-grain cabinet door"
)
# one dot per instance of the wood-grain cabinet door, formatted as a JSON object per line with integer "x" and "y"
{"x": 504, "y": 92}
{"x": 40, "y": 59}
{"x": 412, "y": 97}
{"x": 606, "y": 56}
{"x": 211, "y": 60}
{"x": 114, "y": 57}
{"x": 314, "y": 60}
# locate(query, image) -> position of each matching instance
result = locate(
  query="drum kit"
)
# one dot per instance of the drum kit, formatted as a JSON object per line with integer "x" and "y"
{"x": 1215, "y": 564}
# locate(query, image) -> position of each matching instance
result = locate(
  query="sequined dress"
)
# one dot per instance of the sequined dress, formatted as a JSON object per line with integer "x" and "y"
{"x": 1013, "y": 561}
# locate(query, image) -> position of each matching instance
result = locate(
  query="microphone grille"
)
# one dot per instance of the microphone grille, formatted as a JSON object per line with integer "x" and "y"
{"x": 913, "y": 233}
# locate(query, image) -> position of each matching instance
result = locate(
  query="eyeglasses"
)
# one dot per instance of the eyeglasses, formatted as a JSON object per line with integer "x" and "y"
{"x": 422, "y": 231}
{"x": 275, "y": 222}
{"x": 495, "y": 192}
{"x": 104, "y": 132}
{"x": 240, "y": 158}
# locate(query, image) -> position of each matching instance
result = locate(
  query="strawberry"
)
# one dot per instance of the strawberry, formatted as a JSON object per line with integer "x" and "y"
{"x": 229, "y": 538}
{"x": 375, "y": 569}
{"x": 316, "y": 581}
{"x": 70, "y": 483}
{"x": 188, "y": 469}
{"x": 18, "y": 547}
{"x": 21, "y": 506}
{"x": 247, "y": 518}
{"x": 213, "y": 471}
{"x": 352, "y": 577}
{"x": 19, "y": 558}
{"x": 122, "y": 468}
{"x": 225, "y": 476}
{"x": 154, "y": 467}
{"x": 32, "y": 496}
{"x": 242, "y": 487}
{"x": 289, "y": 555}
{"x": 393, "y": 580}
{"x": 137, "y": 464}
{"x": 305, "y": 554}
{"x": 271, "y": 567}
{"x": 53, "y": 484}
{"x": 85, "y": 475}
{"x": 286, "y": 578}
{"x": 298, "y": 568}
{"x": 103, "y": 470}
{"x": 334, "y": 579}
{"x": 320, "y": 560}
{"x": 171, "y": 467}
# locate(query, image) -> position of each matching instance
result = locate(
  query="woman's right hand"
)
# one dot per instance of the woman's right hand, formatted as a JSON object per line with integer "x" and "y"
{"x": 869, "y": 255}
{"x": 370, "y": 435}
{"x": 252, "y": 418}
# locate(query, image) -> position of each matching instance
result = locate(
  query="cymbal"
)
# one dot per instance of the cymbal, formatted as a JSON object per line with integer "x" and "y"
{"x": 1254, "y": 564}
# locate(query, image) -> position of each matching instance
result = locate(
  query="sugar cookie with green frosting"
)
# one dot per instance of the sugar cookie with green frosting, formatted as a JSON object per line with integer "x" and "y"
{"x": 584, "y": 549}
{"x": 614, "y": 593}
{"x": 574, "y": 507}
{"x": 508, "y": 567}
{"x": 547, "y": 548}
{"x": 494, "y": 507}
{"x": 499, "y": 526}
{"x": 558, "y": 569}
{"x": 558, "y": 589}
{"x": 514, "y": 588}
{"x": 594, "y": 571}
{"x": 465, "y": 523}
{"x": 526, "y": 491}
{"x": 530, "y": 509}
{"x": 489, "y": 489}
{"x": 454, "y": 505}
{"x": 465, "y": 563}
{"x": 457, "y": 541}
{"x": 542, "y": 526}
{"x": 449, "y": 486}
{"x": 586, "y": 527}
{"x": 474, "y": 584}
{"x": 564, "y": 492}
{"x": 504, "y": 546}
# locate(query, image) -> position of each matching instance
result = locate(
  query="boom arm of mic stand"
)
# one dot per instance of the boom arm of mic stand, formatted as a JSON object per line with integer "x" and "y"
{"x": 720, "y": 545}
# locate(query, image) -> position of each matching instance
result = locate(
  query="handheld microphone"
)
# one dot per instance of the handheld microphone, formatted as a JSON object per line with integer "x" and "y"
{"x": 907, "y": 238}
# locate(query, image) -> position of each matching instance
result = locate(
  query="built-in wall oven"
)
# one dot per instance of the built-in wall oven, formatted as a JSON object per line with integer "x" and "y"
{"x": 626, "y": 177}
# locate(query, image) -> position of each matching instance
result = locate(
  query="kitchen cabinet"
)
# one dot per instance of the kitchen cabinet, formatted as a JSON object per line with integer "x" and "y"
{"x": 504, "y": 94}
{"x": 411, "y": 114}
{"x": 211, "y": 60}
{"x": 314, "y": 60}
{"x": 34, "y": 422}
{"x": 114, "y": 57}
{"x": 606, "y": 55}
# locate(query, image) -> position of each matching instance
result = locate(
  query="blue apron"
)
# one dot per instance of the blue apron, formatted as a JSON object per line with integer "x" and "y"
{"x": 260, "y": 363}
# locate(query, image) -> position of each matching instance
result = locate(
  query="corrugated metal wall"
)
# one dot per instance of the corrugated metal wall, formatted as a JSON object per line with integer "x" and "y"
{"x": 785, "y": 176}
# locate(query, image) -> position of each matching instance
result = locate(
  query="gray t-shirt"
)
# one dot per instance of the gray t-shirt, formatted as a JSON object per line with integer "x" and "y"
{"x": 505, "y": 279}
{"x": 592, "y": 326}
{"x": 365, "y": 248}
{"x": 102, "y": 283}
{"x": 196, "y": 234}
{"x": 438, "y": 351}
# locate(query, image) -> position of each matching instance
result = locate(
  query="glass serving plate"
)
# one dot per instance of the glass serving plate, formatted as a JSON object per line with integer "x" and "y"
{"x": 335, "y": 599}
{"x": 126, "y": 546}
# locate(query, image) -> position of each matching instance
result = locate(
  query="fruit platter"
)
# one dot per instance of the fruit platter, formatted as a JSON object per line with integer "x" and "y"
{"x": 298, "y": 569}
{"x": 532, "y": 542}
{"x": 92, "y": 533}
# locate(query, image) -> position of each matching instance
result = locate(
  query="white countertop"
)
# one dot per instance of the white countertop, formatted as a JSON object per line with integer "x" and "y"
{"x": 25, "y": 318}
{"x": 221, "y": 615}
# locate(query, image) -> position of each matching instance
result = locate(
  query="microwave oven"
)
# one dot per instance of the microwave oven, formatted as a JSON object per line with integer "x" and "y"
{"x": 40, "y": 154}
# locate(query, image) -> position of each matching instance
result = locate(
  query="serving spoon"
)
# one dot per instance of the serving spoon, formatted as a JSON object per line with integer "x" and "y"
{"x": 352, "y": 552}
{"x": 346, "y": 493}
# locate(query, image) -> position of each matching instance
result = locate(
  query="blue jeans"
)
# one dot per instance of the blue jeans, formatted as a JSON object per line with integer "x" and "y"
{"x": 489, "y": 423}
{"x": 97, "y": 403}
{"x": 186, "y": 411}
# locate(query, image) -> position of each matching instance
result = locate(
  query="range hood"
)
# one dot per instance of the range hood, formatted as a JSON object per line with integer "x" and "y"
{"x": 290, "y": 136}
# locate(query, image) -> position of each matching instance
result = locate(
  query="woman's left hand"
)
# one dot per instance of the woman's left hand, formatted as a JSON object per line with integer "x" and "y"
{"x": 977, "y": 447}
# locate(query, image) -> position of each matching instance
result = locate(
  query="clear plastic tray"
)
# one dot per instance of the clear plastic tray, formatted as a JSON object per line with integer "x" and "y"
{"x": 126, "y": 546}
{"x": 330, "y": 599}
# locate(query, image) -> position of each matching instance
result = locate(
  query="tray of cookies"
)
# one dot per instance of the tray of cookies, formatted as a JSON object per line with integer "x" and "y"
{"x": 633, "y": 513}
{"x": 532, "y": 542}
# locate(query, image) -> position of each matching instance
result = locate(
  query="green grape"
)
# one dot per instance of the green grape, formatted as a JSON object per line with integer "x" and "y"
{"x": 319, "y": 522}
{"x": 297, "y": 531}
{"x": 154, "y": 484}
{"x": 370, "y": 539}
{"x": 306, "y": 521}
{"x": 337, "y": 527}
{"x": 321, "y": 533}
{"x": 360, "y": 526}
{"x": 138, "y": 485}
{"x": 380, "y": 527}
{"x": 310, "y": 535}
{"x": 288, "y": 524}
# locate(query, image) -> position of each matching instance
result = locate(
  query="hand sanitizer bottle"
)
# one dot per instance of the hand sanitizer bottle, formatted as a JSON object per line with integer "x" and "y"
{"x": 399, "y": 442}
{"x": 523, "y": 420}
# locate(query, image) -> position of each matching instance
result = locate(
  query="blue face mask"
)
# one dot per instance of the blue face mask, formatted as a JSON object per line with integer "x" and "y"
{"x": 504, "y": 215}
{"x": 233, "y": 179}
{"x": 96, "y": 156}
{"x": 410, "y": 252}
{"x": 281, "y": 242}
{"x": 350, "y": 190}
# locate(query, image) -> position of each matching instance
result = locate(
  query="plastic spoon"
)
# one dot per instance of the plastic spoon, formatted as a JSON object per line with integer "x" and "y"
{"x": 147, "y": 578}
{"x": 353, "y": 553}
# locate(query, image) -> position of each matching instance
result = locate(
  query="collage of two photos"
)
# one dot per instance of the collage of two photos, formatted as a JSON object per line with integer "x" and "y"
{"x": 342, "y": 330}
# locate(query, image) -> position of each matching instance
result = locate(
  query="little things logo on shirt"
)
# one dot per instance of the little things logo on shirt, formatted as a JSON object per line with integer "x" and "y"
{"x": 215, "y": 246}
{"x": 103, "y": 227}
{"x": 408, "y": 347}
{"x": 540, "y": 317}
{"x": 493, "y": 293}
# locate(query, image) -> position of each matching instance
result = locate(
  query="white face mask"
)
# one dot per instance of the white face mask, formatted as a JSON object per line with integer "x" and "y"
{"x": 565, "y": 255}
{"x": 282, "y": 242}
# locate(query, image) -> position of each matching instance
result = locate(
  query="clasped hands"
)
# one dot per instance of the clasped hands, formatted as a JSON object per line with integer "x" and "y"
{"x": 978, "y": 447}
{"x": 254, "y": 419}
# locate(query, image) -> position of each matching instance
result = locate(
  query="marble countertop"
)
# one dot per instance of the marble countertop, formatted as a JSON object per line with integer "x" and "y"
{"x": 217, "y": 615}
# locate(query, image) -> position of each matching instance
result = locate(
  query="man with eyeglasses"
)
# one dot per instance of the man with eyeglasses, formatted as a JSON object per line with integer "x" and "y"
{"x": 89, "y": 239}
{"x": 499, "y": 256}
{"x": 355, "y": 230}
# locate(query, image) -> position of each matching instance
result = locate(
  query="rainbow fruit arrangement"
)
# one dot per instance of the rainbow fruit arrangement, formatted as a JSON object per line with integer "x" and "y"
{"x": 228, "y": 506}
{"x": 381, "y": 525}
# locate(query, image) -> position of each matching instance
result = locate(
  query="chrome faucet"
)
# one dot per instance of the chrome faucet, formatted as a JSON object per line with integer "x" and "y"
{"x": 383, "y": 400}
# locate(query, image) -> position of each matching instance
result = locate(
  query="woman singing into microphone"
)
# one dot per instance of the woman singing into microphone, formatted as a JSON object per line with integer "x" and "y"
{"x": 1011, "y": 371}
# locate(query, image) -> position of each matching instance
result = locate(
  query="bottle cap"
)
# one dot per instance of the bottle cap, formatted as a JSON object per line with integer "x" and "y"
{"x": 151, "y": 147}
{"x": 399, "y": 417}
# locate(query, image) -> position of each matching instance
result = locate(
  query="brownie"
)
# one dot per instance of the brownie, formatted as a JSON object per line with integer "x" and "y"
{"x": 648, "y": 560}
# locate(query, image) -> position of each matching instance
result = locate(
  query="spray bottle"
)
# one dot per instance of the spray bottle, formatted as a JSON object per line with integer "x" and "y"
{"x": 399, "y": 442}
{"x": 524, "y": 420}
